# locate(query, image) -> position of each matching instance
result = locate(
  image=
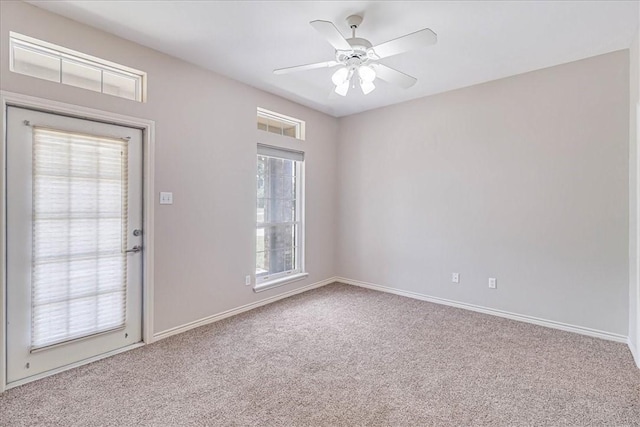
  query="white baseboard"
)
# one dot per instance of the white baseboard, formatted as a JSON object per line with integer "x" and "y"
{"x": 500, "y": 313}
{"x": 219, "y": 316}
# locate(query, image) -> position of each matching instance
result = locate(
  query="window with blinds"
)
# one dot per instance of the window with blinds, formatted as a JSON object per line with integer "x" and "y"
{"x": 80, "y": 187}
{"x": 279, "y": 215}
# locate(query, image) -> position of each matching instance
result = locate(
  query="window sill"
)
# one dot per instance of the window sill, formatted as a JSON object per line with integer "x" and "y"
{"x": 279, "y": 282}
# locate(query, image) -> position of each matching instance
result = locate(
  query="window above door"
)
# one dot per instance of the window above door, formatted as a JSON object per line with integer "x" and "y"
{"x": 47, "y": 61}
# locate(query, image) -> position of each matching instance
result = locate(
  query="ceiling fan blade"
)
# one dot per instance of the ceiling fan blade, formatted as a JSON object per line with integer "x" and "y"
{"x": 331, "y": 33}
{"x": 326, "y": 64}
{"x": 393, "y": 76}
{"x": 406, "y": 43}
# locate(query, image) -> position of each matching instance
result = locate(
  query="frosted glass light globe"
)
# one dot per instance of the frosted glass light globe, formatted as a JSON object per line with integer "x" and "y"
{"x": 366, "y": 73}
{"x": 342, "y": 88}
{"x": 340, "y": 76}
{"x": 367, "y": 87}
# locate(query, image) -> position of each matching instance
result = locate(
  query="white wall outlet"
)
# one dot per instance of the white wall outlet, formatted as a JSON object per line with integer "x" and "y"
{"x": 247, "y": 280}
{"x": 166, "y": 198}
{"x": 493, "y": 282}
{"x": 455, "y": 277}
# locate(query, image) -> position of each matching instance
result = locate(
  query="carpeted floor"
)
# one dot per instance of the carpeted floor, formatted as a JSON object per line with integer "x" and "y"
{"x": 346, "y": 356}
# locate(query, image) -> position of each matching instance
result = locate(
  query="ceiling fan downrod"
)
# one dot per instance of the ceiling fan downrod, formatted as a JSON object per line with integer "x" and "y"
{"x": 354, "y": 22}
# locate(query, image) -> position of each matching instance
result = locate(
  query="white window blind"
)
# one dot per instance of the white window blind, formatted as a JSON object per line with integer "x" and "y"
{"x": 79, "y": 235}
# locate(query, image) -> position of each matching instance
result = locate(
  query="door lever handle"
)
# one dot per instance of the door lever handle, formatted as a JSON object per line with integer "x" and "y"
{"x": 135, "y": 249}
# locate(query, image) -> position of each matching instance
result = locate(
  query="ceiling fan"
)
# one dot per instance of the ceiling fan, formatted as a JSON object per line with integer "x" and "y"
{"x": 359, "y": 56}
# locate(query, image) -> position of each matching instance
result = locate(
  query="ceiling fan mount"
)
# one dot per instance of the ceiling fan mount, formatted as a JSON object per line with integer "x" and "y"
{"x": 354, "y": 21}
{"x": 359, "y": 57}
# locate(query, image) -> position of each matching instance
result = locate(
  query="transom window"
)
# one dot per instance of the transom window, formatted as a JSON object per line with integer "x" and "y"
{"x": 43, "y": 60}
{"x": 279, "y": 227}
{"x": 280, "y": 124}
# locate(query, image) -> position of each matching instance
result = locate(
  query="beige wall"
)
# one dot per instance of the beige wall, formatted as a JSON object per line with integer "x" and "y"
{"x": 205, "y": 154}
{"x": 524, "y": 179}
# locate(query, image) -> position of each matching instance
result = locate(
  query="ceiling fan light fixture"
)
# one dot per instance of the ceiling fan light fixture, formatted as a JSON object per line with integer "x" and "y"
{"x": 340, "y": 77}
{"x": 366, "y": 73}
{"x": 367, "y": 87}
{"x": 342, "y": 88}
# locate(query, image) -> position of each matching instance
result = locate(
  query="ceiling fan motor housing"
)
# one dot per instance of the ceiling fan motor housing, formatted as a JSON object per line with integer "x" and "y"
{"x": 360, "y": 48}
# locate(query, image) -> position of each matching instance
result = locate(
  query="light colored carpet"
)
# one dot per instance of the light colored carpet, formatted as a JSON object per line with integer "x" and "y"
{"x": 346, "y": 356}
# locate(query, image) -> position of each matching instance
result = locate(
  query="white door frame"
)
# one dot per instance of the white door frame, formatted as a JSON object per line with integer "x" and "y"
{"x": 148, "y": 146}
{"x": 634, "y": 342}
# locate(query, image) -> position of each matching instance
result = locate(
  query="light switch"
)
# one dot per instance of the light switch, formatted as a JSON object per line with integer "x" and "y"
{"x": 166, "y": 198}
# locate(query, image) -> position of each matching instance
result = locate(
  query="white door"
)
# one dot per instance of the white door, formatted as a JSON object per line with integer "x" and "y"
{"x": 74, "y": 212}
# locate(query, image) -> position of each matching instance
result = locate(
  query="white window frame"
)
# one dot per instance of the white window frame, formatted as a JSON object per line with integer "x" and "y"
{"x": 281, "y": 118}
{"x": 49, "y": 49}
{"x": 299, "y": 272}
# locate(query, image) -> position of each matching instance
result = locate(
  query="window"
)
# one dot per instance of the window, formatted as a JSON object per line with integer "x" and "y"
{"x": 280, "y": 124}
{"x": 37, "y": 58}
{"x": 279, "y": 222}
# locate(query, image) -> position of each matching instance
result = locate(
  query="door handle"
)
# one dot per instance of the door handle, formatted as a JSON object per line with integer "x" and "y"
{"x": 135, "y": 249}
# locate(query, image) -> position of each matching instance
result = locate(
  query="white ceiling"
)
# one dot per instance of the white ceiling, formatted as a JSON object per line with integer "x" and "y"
{"x": 477, "y": 41}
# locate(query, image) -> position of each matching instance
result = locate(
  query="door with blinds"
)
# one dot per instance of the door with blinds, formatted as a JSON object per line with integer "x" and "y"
{"x": 74, "y": 240}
